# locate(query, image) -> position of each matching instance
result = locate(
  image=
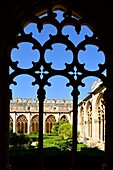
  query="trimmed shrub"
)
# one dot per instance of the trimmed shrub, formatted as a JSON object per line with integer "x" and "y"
{"x": 65, "y": 131}
{"x": 56, "y": 126}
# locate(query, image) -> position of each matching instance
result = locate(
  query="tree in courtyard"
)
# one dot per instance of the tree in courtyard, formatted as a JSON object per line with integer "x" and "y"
{"x": 56, "y": 126}
{"x": 65, "y": 131}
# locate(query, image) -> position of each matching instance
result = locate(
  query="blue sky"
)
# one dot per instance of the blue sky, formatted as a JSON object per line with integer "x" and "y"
{"x": 25, "y": 55}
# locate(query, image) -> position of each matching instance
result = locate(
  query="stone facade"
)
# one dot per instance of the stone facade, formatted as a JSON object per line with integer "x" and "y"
{"x": 24, "y": 114}
{"x": 91, "y": 116}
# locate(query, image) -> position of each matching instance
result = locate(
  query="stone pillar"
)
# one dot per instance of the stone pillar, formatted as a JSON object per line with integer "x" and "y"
{"x": 41, "y": 97}
{"x": 85, "y": 121}
{"x": 75, "y": 115}
{"x": 108, "y": 97}
{"x": 44, "y": 123}
{"x": 14, "y": 123}
{"x": 108, "y": 162}
{"x": 16, "y": 116}
{"x": 78, "y": 123}
{"x": 29, "y": 120}
{"x": 101, "y": 129}
{"x": 59, "y": 116}
{"x": 5, "y": 95}
{"x": 94, "y": 117}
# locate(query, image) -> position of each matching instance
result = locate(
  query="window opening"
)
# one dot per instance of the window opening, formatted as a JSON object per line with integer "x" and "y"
{"x": 75, "y": 70}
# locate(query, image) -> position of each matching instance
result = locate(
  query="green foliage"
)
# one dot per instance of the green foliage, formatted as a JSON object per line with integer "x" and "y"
{"x": 10, "y": 130}
{"x": 57, "y": 125}
{"x": 14, "y": 140}
{"x": 78, "y": 134}
{"x": 33, "y": 136}
{"x": 54, "y": 129}
{"x": 65, "y": 131}
{"x": 51, "y": 141}
{"x": 20, "y": 140}
{"x": 81, "y": 146}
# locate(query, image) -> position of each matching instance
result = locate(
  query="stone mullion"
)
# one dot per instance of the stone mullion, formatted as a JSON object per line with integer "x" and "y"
{"x": 91, "y": 126}
{"x": 4, "y": 129}
{"x": 94, "y": 111}
{"x": 101, "y": 128}
{"x": 74, "y": 145}
{"x": 41, "y": 97}
{"x": 84, "y": 121}
{"x": 108, "y": 163}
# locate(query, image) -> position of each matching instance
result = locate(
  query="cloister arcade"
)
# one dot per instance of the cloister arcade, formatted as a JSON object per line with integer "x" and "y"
{"x": 24, "y": 115}
{"x": 91, "y": 116}
{"x": 22, "y": 124}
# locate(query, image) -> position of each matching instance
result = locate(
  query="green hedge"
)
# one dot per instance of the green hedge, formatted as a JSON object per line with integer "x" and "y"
{"x": 57, "y": 155}
{"x": 54, "y": 158}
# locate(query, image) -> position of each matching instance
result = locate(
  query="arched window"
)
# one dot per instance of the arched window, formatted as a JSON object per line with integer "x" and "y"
{"x": 50, "y": 120}
{"x": 43, "y": 16}
{"x": 35, "y": 124}
{"x": 22, "y": 124}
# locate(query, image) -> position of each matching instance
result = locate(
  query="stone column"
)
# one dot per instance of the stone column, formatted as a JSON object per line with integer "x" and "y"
{"x": 78, "y": 123}
{"x": 85, "y": 121}
{"x": 44, "y": 123}
{"x": 108, "y": 97}
{"x": 29, "y": 120}
{"x": 4, "y": 128}
{"x": 94, "y": 118}
{"x": 75, "y": 115}
{"x": 14, "y": 123}
{"x": 108, "y": 162}
{"x": 101, "y": 128}
{"x": 16, "y": 116}
{"x": 41, "y": 97}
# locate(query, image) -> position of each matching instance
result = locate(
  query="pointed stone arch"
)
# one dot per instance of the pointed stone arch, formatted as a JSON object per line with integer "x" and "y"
{"x": 34, "y": 124}
{"x": 22, "y": 124}
{"x": 49, "y": 122}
